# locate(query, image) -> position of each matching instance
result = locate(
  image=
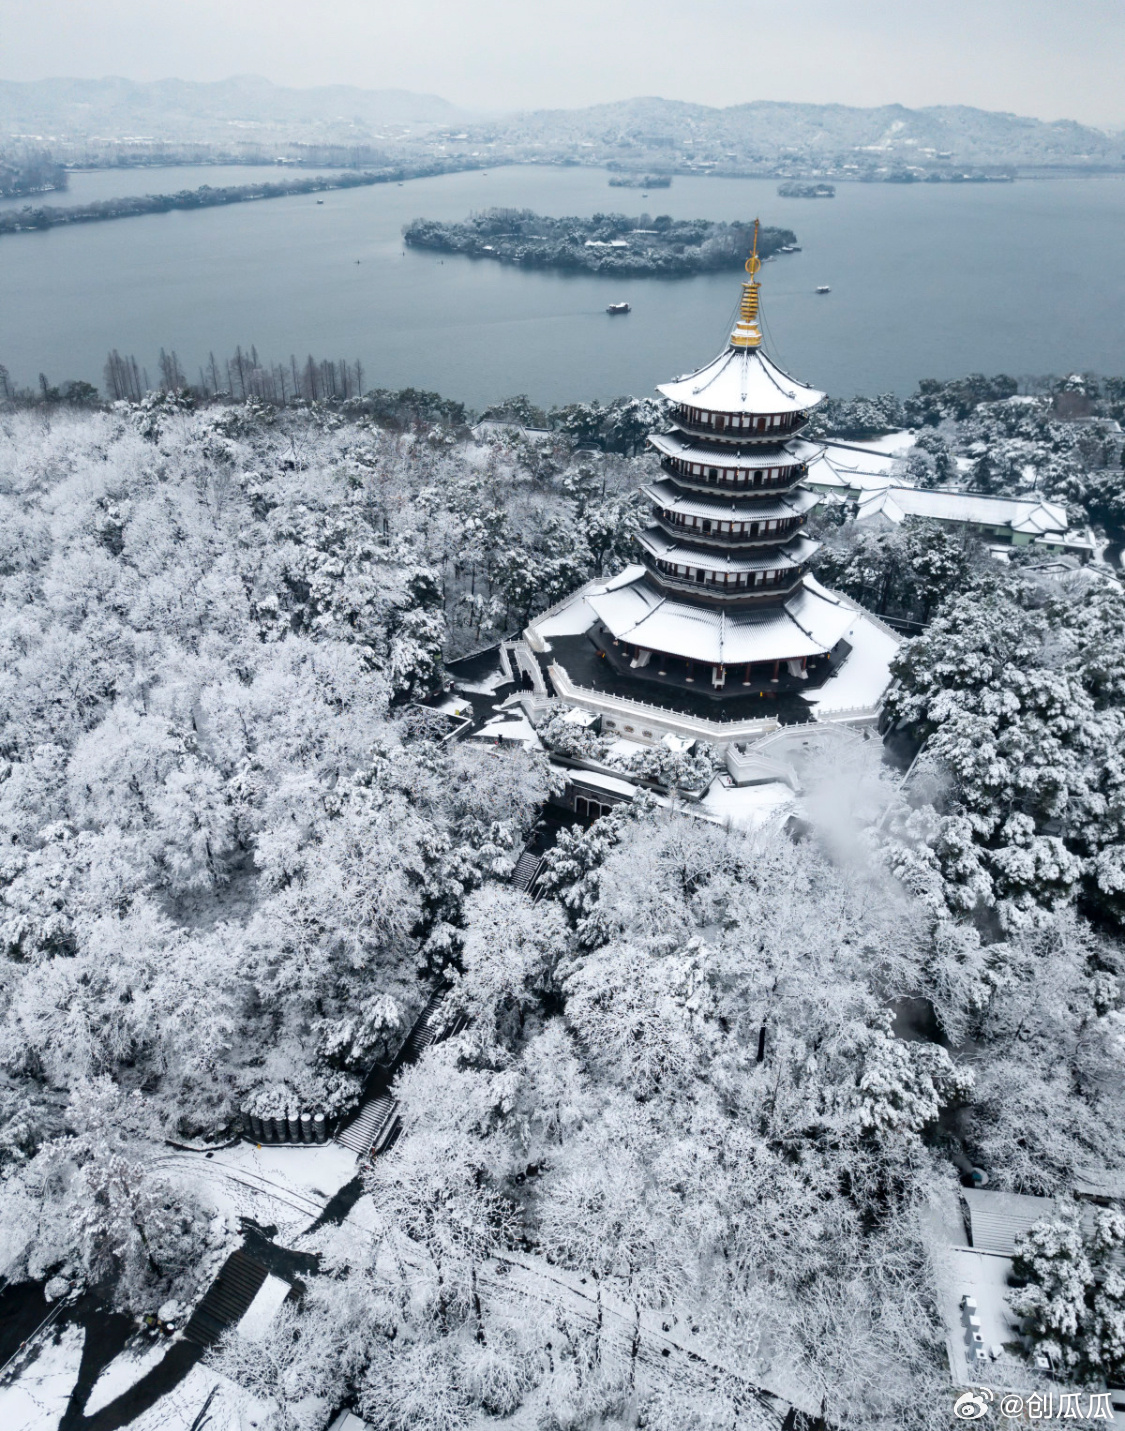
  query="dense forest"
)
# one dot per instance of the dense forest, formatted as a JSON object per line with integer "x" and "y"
{"x": 234, "y": 862}
{"x": 29, "y": 171}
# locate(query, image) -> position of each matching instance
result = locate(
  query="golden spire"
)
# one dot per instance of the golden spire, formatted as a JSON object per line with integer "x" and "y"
{"x": 746, "y": 332}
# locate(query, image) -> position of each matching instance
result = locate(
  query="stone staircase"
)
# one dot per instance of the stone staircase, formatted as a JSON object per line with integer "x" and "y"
{"x": 424, "y": 1032}
{"x": 527, "y": 870}
{"x": 227, "y": 1299}
{"x": 376, "y": 1123}
{"x": 369, "y": 1126}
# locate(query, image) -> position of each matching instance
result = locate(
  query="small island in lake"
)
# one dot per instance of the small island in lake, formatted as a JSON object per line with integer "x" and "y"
{"x": 640, "y": 181}
{"x": 606, "y": 243}
{"x": 794, "y": 190}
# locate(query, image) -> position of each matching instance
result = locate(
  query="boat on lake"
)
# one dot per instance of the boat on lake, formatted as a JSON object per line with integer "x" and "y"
{"x": 618, "y": 308}
{"x": 824, "y": 288}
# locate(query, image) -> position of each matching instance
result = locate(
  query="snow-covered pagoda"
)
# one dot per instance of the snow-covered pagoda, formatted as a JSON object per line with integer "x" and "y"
{"x": 725, "y": 588}
{"x": 721, "y": 618}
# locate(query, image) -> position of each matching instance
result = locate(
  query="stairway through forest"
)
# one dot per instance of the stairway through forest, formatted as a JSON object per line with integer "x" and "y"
{"x": 375, "y": 1124}
{"x": 527, "y": 869}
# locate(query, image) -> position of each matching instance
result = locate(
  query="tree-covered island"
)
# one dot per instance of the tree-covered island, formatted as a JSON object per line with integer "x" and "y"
{"x": 606, "y": 243}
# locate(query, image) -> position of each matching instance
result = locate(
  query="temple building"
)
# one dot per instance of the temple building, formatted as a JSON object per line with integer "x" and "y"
{"x": 726, "y": 591}
{"x": 720, "y": 624}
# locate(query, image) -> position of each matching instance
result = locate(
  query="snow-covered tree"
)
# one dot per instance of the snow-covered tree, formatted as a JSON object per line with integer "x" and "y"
{"x": 1073, "y": 1304}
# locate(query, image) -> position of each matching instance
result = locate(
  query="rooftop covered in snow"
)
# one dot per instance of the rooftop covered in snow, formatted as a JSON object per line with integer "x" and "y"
{"x": 1020, "y": 518}
{"x": 741, "y": 380}
{"x": 809, "y": 623}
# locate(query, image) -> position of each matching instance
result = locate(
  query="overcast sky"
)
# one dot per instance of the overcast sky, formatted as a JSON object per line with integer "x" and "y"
{"x": 1049, "y": 58}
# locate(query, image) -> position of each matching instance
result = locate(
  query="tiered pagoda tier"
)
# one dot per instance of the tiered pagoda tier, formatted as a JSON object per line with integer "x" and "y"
{"x": 724, "y": 595}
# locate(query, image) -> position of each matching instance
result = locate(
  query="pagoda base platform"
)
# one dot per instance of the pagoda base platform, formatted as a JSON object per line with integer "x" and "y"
{"x": 692, "y": 677}
{"x": 575, "y": 652}
{"x": 591, "y": 661}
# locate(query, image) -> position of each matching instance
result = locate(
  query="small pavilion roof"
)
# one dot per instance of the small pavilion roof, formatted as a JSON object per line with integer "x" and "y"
{"x": 794, "y": 553}
{"x": 697, "y": 449}
{"x": 752, "y": 507}
{"x": 809, "y": 623}
{"x": 741, "y": 380}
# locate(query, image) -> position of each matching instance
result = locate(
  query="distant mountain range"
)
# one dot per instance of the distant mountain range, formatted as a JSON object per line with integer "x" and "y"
{"x": 248, "y": 113}
{"x": 768, "y": 132}
{"x": 227, "y": 111}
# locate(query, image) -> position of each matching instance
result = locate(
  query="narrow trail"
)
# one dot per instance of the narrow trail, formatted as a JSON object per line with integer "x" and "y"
{"x": 514, "y": 1276}
{"x": 506, "y": 1278}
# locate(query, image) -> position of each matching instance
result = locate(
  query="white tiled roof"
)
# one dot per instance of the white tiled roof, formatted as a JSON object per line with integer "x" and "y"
{"x": 1022, "y": 514}
{"x": 828, "y": 472}
{"x": 997, "y": 1218}
{"x": 690, "y": 449}
{"x": 750, "y": 507}
{"x": 793, "y": 553}
{"x": 741, "y": 380}
{"x": 810, "y": 623}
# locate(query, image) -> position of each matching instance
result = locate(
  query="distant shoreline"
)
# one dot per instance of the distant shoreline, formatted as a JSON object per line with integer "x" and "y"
{"x": 36, "y": 218}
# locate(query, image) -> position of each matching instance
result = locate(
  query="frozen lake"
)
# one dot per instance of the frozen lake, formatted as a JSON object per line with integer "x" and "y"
{"x": 927, "y": 280}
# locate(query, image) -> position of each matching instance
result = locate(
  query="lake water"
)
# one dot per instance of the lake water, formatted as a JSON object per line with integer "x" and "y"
{"x": 927, "y": 280}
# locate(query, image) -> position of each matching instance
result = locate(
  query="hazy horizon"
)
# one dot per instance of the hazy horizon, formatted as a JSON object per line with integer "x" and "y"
{"x": 496, "y": 111}
{"x": 1035, "y": 58}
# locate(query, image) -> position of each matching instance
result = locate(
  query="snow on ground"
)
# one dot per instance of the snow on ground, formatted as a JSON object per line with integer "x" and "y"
{"x": 320, "y": 1170}
{"x": 262, "y": 1310}
{"x": 287, "y": 1186}
{"x": 959, "y": 1271}
{"x": 860, "y": 682}
{"x": 363, "y": 1217}
{"x": 452, "y": 706}
{"x": 574, "y": 618}
{"x": 37, "y": 1398}
{"x": 124, "y": 1371}
{"x": 229, "y": 1409}
{"x": 487, "y": 686}
{"x": 891, "y": 443}
{"x": 625, "y": 748}
{"x": 519, "y": 728}
{"x": 748, "y": 807}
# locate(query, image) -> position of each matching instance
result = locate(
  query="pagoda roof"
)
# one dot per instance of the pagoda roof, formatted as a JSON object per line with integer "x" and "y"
{"x": 811, "y": 622}
{"x": 794, "y": 553}
{"x": 741, "y": 380}
{"x": 753, "y": 506}
{"x": 698, "y": 449}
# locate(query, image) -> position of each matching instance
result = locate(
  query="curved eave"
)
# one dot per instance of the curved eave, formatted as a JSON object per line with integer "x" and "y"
{"x": 753, "y": 507}
{"x": 808, "y": 623}
{"x": 793, "y": 453}
{"x": 741, "y": 380}
{"x": 795, "y": 552}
